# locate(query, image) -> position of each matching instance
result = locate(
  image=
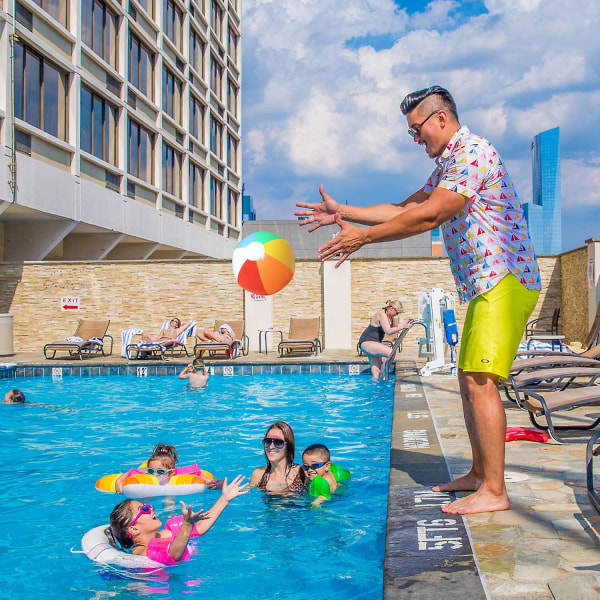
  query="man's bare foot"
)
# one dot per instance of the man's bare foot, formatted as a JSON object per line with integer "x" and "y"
{"x": 478, "y": 502}
{"x": 466, "y": 483}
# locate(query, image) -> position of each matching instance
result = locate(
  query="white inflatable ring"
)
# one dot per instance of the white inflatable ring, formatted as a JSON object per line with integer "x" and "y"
{"x": 96, "y": 547}
{"x": 145, "y": 490}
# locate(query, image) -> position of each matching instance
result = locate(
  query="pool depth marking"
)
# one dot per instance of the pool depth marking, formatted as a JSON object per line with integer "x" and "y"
{"x": 428, "y": 553}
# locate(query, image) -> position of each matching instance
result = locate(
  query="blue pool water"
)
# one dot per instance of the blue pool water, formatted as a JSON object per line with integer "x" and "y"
{"x": 261, "y": 547}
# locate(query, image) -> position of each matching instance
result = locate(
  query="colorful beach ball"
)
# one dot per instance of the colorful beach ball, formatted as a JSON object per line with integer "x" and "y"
{"x": 263, "y": 263}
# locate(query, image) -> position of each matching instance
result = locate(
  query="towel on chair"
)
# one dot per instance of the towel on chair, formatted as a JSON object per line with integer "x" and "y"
{"x": 229, "y": 330}
{"x": 75, "y": 338}
{"x": 126, "y": 336}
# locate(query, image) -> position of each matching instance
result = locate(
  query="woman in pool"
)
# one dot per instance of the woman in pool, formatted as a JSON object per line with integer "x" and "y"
{"x": 134, "y": 527}
{"x": 280, "y": 475}
{"x": 162, "y": 465}
{"x": 381, "y": 323}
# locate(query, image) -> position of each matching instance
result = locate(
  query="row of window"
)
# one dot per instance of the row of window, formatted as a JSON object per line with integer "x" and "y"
{"x": 40, "y": 100}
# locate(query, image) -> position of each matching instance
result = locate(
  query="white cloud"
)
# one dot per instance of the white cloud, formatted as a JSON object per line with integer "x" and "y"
{"x": 580, "y": 184}
{"x": 322, "y": 103}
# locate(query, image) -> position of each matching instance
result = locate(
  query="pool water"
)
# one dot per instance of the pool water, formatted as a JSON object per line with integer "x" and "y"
{"x": 261, "y": 546}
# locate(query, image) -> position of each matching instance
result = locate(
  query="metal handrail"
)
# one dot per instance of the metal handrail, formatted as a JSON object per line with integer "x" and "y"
{"x": 384, "y": 373}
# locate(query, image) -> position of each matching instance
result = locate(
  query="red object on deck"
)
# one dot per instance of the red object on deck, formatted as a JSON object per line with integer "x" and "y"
{"x": 525, "y": 433}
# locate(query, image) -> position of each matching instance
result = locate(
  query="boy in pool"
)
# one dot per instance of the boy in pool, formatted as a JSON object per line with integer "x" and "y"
{"x": 135, "y": 528}
{"x": 14, "y": 397}
{"x": 316, "y": 462}
{"x": 162, "y": 465}
{"x": 196, "y": 373}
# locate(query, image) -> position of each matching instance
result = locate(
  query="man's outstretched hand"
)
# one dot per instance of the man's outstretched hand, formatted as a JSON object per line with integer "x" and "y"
{"x": 348, "y": 240}
{"x": 319, "y": 214}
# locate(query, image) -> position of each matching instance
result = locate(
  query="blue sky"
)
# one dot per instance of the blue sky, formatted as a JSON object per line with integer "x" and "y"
{"x": 323, "y": 80}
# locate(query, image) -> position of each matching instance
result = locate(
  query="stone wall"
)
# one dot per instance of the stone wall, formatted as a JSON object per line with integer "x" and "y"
{"x": 574, "y": 313}
{"x": 142, "y": 294}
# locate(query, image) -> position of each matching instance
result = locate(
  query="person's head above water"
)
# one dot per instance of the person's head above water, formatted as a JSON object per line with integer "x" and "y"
{"x": 14, "y": 397}
{"x": 163, "y": 456}
{"x": 279, "y": 442}
{"x": 316, "y": 460}
{"x": 128, "y": 518}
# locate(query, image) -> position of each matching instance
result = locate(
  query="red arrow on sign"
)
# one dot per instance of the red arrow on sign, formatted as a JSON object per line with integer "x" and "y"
{"x": 70, "y": 307}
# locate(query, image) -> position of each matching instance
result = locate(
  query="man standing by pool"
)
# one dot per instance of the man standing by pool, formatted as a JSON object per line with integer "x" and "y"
{"x": 471, "y": 196}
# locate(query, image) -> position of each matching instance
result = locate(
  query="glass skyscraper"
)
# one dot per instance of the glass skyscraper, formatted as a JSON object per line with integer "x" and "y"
{"x": 544, "y": 216}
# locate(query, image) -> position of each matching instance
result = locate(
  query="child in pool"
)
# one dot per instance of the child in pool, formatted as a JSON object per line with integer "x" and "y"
{"x": 134, "y": 527}
{"x": 196, "y": 373}
{"x": 162, "y": 465}
{"x": 316, "y": 461}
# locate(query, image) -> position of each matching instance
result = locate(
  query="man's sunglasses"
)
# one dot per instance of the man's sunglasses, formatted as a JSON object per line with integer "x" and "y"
{"x": 273, "y": 441}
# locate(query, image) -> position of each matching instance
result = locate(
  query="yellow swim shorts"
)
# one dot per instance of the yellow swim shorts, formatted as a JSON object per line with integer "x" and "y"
{"x": 494, "y": 326}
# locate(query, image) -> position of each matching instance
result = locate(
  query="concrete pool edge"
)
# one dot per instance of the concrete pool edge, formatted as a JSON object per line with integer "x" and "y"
{"x": 427, "y": 553}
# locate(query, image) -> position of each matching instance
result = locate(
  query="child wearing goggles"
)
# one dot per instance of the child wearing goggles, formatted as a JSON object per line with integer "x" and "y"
{"x": 135, "y": 528}
{"x": 196, "y": 374}
{"x": 316, "y": 462}
{"x": 162, "y": 465}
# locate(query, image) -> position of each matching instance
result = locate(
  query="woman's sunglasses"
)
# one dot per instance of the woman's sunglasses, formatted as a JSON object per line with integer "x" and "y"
{"x": 145, "y": 509}
{"x": 273, "y": 441}
{"x": 159, "y": 472}
{"x": 314, "y": 466}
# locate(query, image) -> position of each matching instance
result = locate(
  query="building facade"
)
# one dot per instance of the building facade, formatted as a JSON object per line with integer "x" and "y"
{"x": 545, "y": 215}
{"x": 120, "y": 123}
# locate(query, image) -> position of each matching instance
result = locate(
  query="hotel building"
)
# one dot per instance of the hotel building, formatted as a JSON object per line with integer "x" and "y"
{"x": 120, "y": 129}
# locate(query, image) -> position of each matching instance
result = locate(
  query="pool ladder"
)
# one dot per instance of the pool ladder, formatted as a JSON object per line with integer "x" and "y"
{"x": 385, "y": 367}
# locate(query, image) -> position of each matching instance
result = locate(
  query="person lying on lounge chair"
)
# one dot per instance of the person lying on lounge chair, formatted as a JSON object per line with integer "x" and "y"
{"x": 170, "y": 333}
{"x": 225, "y": 334}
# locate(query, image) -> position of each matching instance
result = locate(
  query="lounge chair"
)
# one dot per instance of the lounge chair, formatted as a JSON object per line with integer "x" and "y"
{"x": 591, "y": 453}
{"x": 543, "y": 325}
{"x": 304, "y": 337}
{"x": 87, "y": 341}
{"x": 591, "y": 339}
{"x": 549, "y": 403}
{"x": 176, "y": 346}
{"x": 231, "y": 349}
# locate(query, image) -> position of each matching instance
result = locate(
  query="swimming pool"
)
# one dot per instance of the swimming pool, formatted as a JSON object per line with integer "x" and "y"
{"x": 261, "y": 547}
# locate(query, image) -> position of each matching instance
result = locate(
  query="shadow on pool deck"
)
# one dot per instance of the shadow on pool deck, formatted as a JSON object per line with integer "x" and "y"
{"x": 546, "y": 547}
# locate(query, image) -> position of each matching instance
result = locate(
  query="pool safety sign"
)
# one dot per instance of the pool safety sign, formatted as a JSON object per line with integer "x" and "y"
{"x": 69, "y": 303}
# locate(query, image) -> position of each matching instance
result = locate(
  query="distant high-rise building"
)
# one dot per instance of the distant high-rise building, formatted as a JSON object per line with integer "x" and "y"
{"x": 546, "y": 224}
{"x": 248, "y": 212}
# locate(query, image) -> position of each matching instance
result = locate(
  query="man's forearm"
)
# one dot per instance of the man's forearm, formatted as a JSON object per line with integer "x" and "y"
{"x": 380, "y": 213}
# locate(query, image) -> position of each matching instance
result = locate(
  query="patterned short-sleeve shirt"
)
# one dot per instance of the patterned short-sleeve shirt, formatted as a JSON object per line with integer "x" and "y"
{"x": 489, "y": 237}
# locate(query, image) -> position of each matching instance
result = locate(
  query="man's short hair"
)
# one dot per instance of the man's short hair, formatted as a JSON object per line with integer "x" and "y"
{"x": 443, "y": 97}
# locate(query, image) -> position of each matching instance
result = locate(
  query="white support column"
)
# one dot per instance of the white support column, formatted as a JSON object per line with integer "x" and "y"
{"x": 593, "y": 277}
{"x": 258, "y": 313}
{"x": 337, "y": 305}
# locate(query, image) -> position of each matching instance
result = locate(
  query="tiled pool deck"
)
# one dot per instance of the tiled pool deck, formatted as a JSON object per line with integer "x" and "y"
{"x": 546, "y": 547}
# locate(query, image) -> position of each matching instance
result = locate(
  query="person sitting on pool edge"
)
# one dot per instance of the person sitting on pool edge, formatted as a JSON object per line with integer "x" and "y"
{"x": 14, "y": 397}
{"x": 281, "y": 475}
{"x": 135, "y": 528}
{"x": 316, "y": 462}
{"x": 162, "y": 465}
{"x": 196, "y": 373}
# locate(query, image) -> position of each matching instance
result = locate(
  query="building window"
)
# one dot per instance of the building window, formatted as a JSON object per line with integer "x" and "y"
{"x": 216, "y": 197}
{"x": 148, "y": 6}
{"x": 232, "y": 98}
{"x": 197, "y": 110}
{"x": 172, "y": 161}
{"x": 98, "y": 126}
{"x": 197, "y": 175}
{"x": 40, "y": 92}
{"x": 197, "y": 50}
{"x": 172, "y": 89}
{"x": 55, "y": 8}
{"x": 232, "y": 44}
{"x": 232, "y": 207}
{"x": 173, "y": 22}
{"x": 141, "y": 144}
{"x": 99, "y": 30}
{"x": 216, "y": 135}
{"x": 232, "y": 152}
{"x": 141, "y": 67}
{"x": 216, "y": 18}
{"x": 216, "y": 76}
